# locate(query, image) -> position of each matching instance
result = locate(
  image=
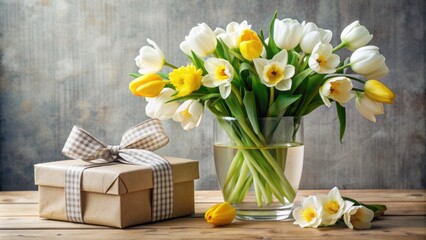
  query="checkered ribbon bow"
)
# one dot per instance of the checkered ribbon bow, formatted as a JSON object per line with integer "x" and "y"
{"x": 136, "y": 147}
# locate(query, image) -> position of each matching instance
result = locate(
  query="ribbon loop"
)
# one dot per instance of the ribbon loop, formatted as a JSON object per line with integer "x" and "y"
{"x": 136, "y": 147}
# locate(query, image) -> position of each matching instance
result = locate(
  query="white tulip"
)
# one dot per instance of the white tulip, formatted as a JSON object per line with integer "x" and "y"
{"x": 338, "y": 89}
{"x": 189, "y": 114}
{"x": 159, "y": 108}
{"x": 150, "y": 59}
{"x": 333, "y": 206}
{"x": 357, "y": 217}
{"x": 368, "y": 62}
{"x": 323, "y": 60}
{"x": 309, "y": 214}
{"x": 287, "y": 33}
{"x": 220, "y": 74}
{"x": 201, "y": 40}
{"x": 232, "y": 33}
{"x": 367, "y": 107}
{"x": 275, "y": 72}
{"x": 355, "y": 36}
{"x": 312, "y": 35}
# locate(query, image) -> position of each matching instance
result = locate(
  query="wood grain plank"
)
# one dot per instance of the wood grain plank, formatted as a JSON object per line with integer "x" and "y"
{"x": 13, "y": 197}
{"x": 411, "y": 227}
{"x": 370, "y": 195}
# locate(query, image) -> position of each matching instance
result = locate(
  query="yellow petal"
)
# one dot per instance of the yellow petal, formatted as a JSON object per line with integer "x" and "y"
{"x": 220, "y": 214}
{"x": 378, "y": 92}
{"x": 250, "y": 45}
{"x": 149, "y": 85}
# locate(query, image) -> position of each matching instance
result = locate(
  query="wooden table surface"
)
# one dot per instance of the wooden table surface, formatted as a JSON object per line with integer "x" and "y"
{"x": 404, "y": 219}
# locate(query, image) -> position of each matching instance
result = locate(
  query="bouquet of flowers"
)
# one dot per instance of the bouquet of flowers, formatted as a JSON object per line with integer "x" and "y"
{"x": 239, "y": 73}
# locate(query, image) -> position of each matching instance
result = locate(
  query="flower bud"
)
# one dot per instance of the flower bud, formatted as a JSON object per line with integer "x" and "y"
{"x": 220, "y": 214}
{"x": 287, "y": 33}
{"x": 250, "y": 45}
{"x": 378, "y": 92}
{"x": 201, "y": 40}
{"x": 355, "y": 36}
{"x": 368, "y": 62}
{"x": 149, "y": 85}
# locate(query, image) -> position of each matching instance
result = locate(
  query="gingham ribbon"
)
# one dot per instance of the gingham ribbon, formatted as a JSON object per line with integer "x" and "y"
{"x": 136, "y": 147}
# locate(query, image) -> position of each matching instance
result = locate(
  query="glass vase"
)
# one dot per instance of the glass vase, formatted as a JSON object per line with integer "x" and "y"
{"x": 259, "y": 168}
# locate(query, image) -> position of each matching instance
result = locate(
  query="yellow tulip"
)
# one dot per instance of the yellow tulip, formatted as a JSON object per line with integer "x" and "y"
{"x": 220, "y": 214}
{"x": 149, "y": 85}
{"x": 250, "y": 45}
{"x": 378, "y": 92}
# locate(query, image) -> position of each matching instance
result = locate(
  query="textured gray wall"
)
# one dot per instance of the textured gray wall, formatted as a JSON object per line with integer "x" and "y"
{"x": 66, "y": 62}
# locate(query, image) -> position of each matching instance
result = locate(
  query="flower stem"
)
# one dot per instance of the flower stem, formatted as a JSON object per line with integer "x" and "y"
{"x": 271, "y": 96}
{"x": 357, "y": 89}
{"x": 237, "y": 94}
{"x": 341, "y": 45}
{"x": 170, "y": 65}
{"x": 343, "y": 67}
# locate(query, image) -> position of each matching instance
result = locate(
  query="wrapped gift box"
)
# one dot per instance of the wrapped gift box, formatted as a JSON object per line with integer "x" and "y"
{"x": 117, "y": 195}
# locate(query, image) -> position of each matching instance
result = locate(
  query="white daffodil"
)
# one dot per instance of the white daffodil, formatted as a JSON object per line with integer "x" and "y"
{"x": 368, "y": 62}
{"x": 220, "y": 74}
{"x": 189, "y": 114}
{"x": 150, "y": 59}
{"x": 275, "y": 72}
{"x": 323, "y": 60}
{"x": 309, "y": 214}
{"x": 367, "y": 107}
{"x": 201, "y": 40}
{"x": 159, "y": 107}
{"x": 312, "y": 35}
{"x": 287, "y": 33}
{"x": 232, "y": 33}
{"x": 357, "y": 217}
{"x": 338, "y": 89}
{"x": 333, "y": 206}
{"x": 355, "y": 36}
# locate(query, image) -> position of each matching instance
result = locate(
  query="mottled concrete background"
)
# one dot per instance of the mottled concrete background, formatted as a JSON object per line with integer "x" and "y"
{"x": 66, "y": 62}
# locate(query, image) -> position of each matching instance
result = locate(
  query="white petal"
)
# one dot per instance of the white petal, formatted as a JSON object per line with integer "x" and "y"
{"x": 284, "y": 85}
{"x": 281, "y": 57}
{"x": 225, "y": 90}
{"x": 210, "y": 81}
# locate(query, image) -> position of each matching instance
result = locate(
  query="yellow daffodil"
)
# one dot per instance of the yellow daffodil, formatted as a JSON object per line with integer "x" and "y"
{"x": 160, "y": 107}
{"x": 355, "y": 36}
{"x": 275, "y": 72}
{"x": 357, "y": 217}
{"x": 333, "y": 206}
{"x": 150, "y": 59}
{"x": 201, "y": 40}
{"x": 368, "y": 62}
{"x": 231, "y": 34}
{"x": 220, "y": 74}
{"x": 323, "y": 60}
{"x": 149, "y": 85}
{"x": 287, "y": 33}
{"x": 250, "y": 45}
{"x": 312, "y": 35}
{"x": 186, "y": 79}
{"x": 378, "y": 92}
{"x": 220, "y": 214}
{"x": 367, "y": 107}
{"x": 338, "y": 89}
{"x": 189, "y": 114}
{"x": 309, "y": 214}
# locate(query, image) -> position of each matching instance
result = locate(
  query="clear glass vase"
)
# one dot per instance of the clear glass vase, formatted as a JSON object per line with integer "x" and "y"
{"x": 259, "y": 168}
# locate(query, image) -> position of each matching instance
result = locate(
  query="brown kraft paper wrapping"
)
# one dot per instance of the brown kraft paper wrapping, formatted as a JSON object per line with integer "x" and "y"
{"x": 117, "y": 195}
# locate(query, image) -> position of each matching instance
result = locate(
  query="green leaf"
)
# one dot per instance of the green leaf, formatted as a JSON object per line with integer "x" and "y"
{"x": 272, "y": 45}
{"x": 135, "y": 75}
{"x": 250, "y": 105}
{"x": 281, "y": 103}
{"x": 164, "y": 75}
{"x": 341, "y": 113}
{"x": 198, "y": 62}
{"x": 234, "y": 106}
{"x": 245, "y": 66}
{"x": 298, "y": 79}
{"x": 191, "y": 96}
{"x": 261, "y": 94}
{"x": 210, "y": 96}
{"x": 314, "y": 82}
